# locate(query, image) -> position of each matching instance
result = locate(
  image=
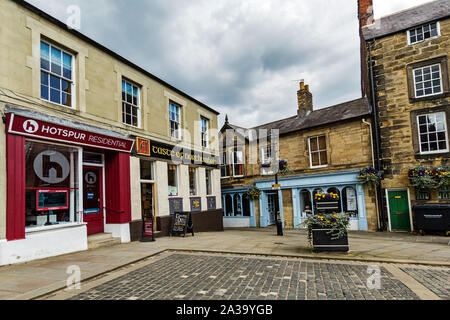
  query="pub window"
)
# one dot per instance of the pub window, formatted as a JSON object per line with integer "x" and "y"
{"x": 237, "y": 205}
{"x": 52, "y": 185}
{"x": 57, "y": 75}
{"x": 423, "y": 33}
{"x": 433, "y": 137}
{"x": 175, "y": 120}
{"x": 147, "y": 170}
{"x": 444, "y": 193}
{"x": 205, "y": 132}
{"x": 427, "y": 80}
{"x": 238, "y": 163}
{"x": 208, "y": 177}
{"x": 172, "y": 180}
{"x": 224, "y": 166}
{"x": 131, "y": 109}
{"x": 192, "y": 181}
{"x": 318, "y": 151}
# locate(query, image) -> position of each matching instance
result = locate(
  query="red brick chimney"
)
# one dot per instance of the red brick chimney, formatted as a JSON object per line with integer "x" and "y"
{"x": 305, "y": 100}
{"x": 365, "y": 17}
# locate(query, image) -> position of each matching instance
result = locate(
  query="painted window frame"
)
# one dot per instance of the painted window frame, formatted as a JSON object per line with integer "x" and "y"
{"x": 318, "y": 151}
{"x": 73, "y": 86}
{"x": 438, "y": 28}
{"x": 133, "y": 85}
{"x": 208, "y": 182}
{"x": 225, "y": 164}
{"x": 193, "y": 170}
{"x": 416, "y": 83}
{"x": 266, "y": 158}
{"x": 419, "y": 133}
{"x": 234, "y": 152}
{"x": 204, "y": 134}
{"x": 175, "y": 122}
{"x": 176, "y": 180}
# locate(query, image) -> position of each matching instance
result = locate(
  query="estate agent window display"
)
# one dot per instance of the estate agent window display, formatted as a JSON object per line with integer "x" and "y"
{"x": 52, "y": 184}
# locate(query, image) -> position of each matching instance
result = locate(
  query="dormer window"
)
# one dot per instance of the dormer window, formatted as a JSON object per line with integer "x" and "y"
{"x": 423, "y": 33}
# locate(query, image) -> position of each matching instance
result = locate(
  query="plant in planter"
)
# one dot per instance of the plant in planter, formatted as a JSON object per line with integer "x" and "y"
{"x": 328, "y": 232}
{"x": 370, "y": 176}
{"x": 327, "y": 201}
{"x": 423, "y": 178}
{"x": 443, "y": 176}
{"x": 283, "y": 167}
{"x": 253, "y": 193}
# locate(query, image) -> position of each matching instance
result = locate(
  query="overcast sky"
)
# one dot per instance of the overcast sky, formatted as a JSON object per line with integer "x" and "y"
{"x": 243, "y": 58}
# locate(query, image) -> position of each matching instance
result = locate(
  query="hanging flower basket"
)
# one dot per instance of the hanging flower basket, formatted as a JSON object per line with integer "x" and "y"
{"x": 253, "y": 193}
{"x": 370, "y": 176}
{"x": 443, "y": 176}
{"x": 423, "y": 178}
{"x": 283, "y": 167}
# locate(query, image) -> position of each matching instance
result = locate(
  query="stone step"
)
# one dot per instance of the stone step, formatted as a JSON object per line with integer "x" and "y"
{"x": 102, "y": 240}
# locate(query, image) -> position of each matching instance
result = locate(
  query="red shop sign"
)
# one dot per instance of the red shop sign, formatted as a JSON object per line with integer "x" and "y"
{"x": 148, "y": 228}
{"x": 50, "y": 131}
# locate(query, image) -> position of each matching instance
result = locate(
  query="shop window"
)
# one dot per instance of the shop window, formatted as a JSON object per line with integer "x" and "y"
{"x": 237, "y": 205}
{"x": 172, "y": 180}
{"x": 228, "y": 205}
{"x": 57, "y": 74}
{"x": 208, "y": 177}
{"x": 92, "y": 158}
{"x": 318, "y": 151}
{"x": 246, "y": 211}
{"x": 444, "y": 193}
{"x": 305, "y": 203}
{"x": 205, "y": 132}
{"x": 175, "y": 120}
{"x": 192, "y": 181}
{"x": 316, "y": 191}
{"x": 147, "y": 170}
{"x": 131, "y": 109}
{"x": 336, "y": 191}
{"x": 52, "y": 184}
{"x": 433, "y": 137}
{"x": 238, "y": 163}
{"x": 350, "y": 202}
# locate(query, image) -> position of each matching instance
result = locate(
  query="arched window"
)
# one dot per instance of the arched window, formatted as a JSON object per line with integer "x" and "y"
{"x": 305, "y": 203}
{"x": 246, "y": 206}
{"x": 336, "y": 191}
{"x": 350, "y": 201}
{"x": 237, "y": 205}
{"x": 229, "y": 205}
{"x": 316, "y": 191}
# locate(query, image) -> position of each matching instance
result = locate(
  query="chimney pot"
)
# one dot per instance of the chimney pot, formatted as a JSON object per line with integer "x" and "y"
{"x": 305, "y": 100}
{"x": 302, "y": 85}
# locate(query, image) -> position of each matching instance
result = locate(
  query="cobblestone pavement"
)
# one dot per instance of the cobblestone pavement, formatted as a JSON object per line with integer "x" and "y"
{"x": 438, "y": 281}
{"x": 205, "y": 276}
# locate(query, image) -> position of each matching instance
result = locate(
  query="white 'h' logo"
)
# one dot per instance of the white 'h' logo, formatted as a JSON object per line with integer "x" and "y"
{"x": 30, "y": 126}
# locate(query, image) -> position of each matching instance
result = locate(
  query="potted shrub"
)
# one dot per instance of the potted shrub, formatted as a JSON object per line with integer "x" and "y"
{"x": 423, "y": 178}
{"x": 370, "y": 176}
{"x": 328, "y": 232}
{"x": 327, "y": 201}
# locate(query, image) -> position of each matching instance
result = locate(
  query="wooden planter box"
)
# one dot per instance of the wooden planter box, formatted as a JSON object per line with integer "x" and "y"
{"x": 327, "y": 205}
{"x": 322, "y": 241}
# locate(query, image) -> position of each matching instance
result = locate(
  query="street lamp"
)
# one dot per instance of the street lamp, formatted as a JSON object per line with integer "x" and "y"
{"x": 282, "y": 166}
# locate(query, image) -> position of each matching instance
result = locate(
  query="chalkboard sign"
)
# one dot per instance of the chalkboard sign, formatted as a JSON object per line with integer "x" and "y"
{"x": 181, "y": 223}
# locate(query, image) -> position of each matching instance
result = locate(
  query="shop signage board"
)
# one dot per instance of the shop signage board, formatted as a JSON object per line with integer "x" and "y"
{"x": 148, "y": 228}
{"x": 52, "y": 199}
{"x": 181, "y": 223}
{"x": 211, "y": 203}
{"x": 175, "y": 205}
{"x": 54, "y": 132}
{"x": 196, "y": 204}
{"x": 176, "y": 154}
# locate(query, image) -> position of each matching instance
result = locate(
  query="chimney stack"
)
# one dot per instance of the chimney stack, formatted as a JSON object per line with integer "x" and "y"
{"x": 305, "y": 100}
{"x": 365, "y": 17}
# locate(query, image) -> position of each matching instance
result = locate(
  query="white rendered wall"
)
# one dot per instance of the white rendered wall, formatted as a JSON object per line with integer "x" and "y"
{"x": 2, "y": 177}
{"x": 44, "y": 244}
{"x": 135, "y": 176}
{"x": 121, "y": 231}
{"x": 161, "y": 189}
{"x": 234, "y": 222}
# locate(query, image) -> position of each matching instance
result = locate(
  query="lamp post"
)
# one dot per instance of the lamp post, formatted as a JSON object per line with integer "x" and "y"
{"x": 277, "y": 210}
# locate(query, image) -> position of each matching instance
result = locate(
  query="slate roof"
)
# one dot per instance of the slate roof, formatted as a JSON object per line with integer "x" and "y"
{"x": 407, "y": 19}
{"x": 341, "y": 112}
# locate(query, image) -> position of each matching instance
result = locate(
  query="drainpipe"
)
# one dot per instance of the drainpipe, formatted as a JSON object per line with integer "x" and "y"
{"x": 376, "y": 139}
{"x": 373, "y": 164}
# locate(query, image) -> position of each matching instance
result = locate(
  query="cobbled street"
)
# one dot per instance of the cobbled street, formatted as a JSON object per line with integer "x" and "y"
{"x": 206, "y": 276}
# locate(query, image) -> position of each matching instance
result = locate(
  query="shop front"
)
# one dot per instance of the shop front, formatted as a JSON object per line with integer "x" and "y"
{"x": 174, "y": 179}
{"x": 65, "y": 181}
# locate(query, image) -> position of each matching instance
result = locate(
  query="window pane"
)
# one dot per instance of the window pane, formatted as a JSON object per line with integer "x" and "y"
{"x": 323, "y": 158}
{"x": 66, "y": 86}
{"x": 322, "y": 143}
{"x": 66, "y": 99}
{"x": 192, "y": 181}
{"x": 55, "y": 82}
{"x": 315, "y": 159}
{"x": 44, "y": 92}
{"x": 172, "y": 180}
{"x": 146, "y": 170}
{"x": 44, "y": 78}
{"x": 56, "y": 60}
{"x": 55, "y": 96}
{"x": 313, "y": 143}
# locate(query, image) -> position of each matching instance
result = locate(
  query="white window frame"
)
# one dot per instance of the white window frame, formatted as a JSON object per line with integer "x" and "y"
{"x": 420, "y": 133}
{"x": 138, "y": 106}
{"x": 438, "y": 28}
{"x": 152, "y": 162}
{"x": 176, "y": 181}
{"x": 226, "y": 164}
{"x": 195, "y": 181}
{"x": 72, "y": 81}
{"x": 440, "y": 81}
{"x": 178, "y": 131}
{"x": 266, "y": 160}
{"x": 243, "y": 161}
{"x": 204, "y": 134}
{"x": 210, "y": 172}
{"x": 318, "y": 151}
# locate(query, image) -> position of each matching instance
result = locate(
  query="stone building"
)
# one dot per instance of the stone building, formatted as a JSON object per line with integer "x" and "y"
{"x": 407, "y": 57}
{"x": 86, "y": 142}
{"x": 325, "y": 150}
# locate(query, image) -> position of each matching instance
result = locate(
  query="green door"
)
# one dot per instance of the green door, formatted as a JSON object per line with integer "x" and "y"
{"x": 399, "y": 210}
